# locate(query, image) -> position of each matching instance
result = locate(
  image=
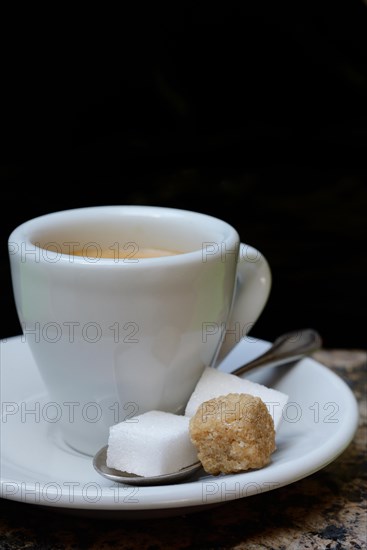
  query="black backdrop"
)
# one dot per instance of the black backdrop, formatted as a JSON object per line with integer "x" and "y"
{"x": 258, "y": 119}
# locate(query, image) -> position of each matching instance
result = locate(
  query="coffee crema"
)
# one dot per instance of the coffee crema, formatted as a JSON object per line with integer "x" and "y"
{"x": 130, "y": 252}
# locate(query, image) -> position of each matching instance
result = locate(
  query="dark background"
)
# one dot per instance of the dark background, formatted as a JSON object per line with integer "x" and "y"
{"x": 259, "y": 119}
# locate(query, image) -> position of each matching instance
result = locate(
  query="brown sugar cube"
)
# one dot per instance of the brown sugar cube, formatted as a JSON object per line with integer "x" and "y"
{"x": 233, "y": 433}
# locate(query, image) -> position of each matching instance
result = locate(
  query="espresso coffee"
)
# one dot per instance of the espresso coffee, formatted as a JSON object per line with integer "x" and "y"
{"x": 130, "y": 251}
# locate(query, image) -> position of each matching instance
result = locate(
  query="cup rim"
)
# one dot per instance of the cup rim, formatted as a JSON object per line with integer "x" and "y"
{"x": 22, "y": 233}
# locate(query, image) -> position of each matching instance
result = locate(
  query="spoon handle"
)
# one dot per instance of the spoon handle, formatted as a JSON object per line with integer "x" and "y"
{"x": 288, "y": 347}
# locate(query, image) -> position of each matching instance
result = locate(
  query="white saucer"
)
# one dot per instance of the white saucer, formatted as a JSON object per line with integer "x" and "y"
{"x": 38, "y": 468}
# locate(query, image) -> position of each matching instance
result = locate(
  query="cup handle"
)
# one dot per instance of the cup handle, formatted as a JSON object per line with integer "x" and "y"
{"x": 252, "y": 292}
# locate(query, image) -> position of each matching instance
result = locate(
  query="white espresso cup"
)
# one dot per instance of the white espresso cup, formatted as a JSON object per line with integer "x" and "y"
{"x": 115, "y": 337}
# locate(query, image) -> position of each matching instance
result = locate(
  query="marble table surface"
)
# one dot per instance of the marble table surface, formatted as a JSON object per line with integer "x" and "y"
{"x": 324, "y": 510}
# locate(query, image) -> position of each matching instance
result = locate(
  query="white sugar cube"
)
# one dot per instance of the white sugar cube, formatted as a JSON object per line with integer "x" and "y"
{"x": 214, "y": 383}
{"x": 151, "y": 444}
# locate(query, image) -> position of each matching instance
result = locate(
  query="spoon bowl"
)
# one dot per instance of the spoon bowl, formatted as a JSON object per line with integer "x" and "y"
{"x": 100, "y": 465}
{"x": 288, "y": 347}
